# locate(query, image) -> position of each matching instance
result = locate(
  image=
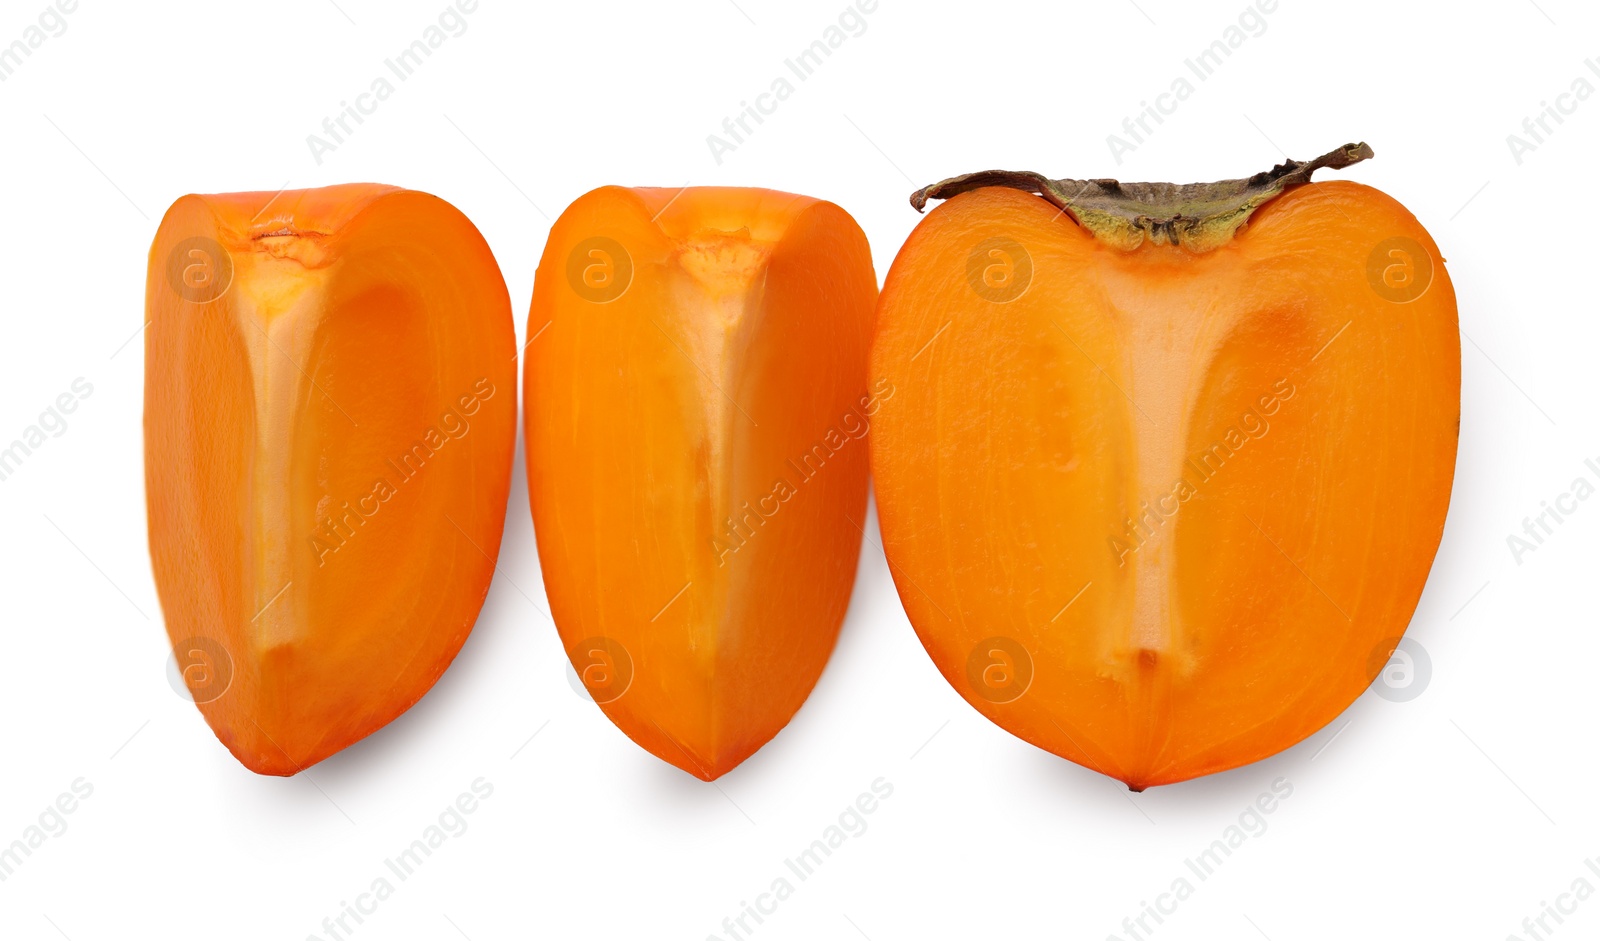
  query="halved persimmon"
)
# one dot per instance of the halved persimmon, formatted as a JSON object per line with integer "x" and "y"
{"x": 695, "y": 394}
{"x": 1168, "y": 465}
{"x": 330, "y": 416}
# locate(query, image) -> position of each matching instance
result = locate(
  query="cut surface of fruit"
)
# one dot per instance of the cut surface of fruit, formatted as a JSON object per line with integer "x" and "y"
{"x": 695, "y": 400}
{"x": 330, "y": 420}
{"x": 1163, "y": 480}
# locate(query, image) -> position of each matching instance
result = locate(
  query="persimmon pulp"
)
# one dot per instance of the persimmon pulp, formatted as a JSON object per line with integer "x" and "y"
{"x": 330, "y": 419}
{"x": 1161, "y": 490}
{"x": 695, "y": 397}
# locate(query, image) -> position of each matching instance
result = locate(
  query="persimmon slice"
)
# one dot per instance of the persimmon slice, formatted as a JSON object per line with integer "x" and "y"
{"x": 330, "y": 420}
{"x": 1168, "y": 465}
{"x": 695, "y": 397}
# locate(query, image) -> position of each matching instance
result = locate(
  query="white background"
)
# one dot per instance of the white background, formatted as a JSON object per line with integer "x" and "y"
{"x": 1457, "y": 814}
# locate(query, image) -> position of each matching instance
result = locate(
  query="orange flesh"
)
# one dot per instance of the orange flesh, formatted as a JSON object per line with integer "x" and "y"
{"x": 695, "y": 462}
{"x": 328, "y": 451}
{"x": 1202, "y": 492}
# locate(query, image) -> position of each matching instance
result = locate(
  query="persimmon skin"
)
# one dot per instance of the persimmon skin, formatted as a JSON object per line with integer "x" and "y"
{"x": 362, "y": 333}
{"x": 696, "y": 471}
{"x": 1026, "y": 469}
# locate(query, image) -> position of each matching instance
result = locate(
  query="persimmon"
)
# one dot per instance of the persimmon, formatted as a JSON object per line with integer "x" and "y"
{"x": 1168, "y": 465}
{"x": 330, "y": 421}
{"x": 695, "y": 395}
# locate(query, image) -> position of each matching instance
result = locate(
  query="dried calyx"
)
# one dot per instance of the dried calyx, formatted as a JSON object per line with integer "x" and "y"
{"x": 1197, "y": 216}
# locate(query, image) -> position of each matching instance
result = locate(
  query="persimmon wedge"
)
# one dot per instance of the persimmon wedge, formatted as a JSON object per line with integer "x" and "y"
{"x": 695, "y": 397}
{"x": 1168, "y": 465}
{"x": 330, "y": 421}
